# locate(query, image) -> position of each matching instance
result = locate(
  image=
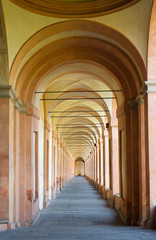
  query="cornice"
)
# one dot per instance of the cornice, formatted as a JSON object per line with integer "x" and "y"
{"x": 150, "y": 86}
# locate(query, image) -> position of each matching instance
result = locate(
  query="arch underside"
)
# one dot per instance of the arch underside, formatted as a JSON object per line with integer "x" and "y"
{"x": 74, "y": 8}
{"x": 79, "y": 79}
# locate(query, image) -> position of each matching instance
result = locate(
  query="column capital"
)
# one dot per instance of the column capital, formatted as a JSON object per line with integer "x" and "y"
{"x": 149, "y": 87}
{"x": 7, "y": 91}
{"x": 132, "y": 104}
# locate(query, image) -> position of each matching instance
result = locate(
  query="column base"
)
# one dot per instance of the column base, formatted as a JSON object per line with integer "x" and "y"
{"x": 18, "y": 224}
{"x": 104, "y": 193}
{"x": 141, "y": 222}
{"x": 99, "y": 188}
{"x": 46, "y": 203}
{"x": 96, "y": 186}
{"x": 46, "y": 199}
{"x": 36, "y": 217}
{"x": 52, "y": 192}
{"x": 148, "y": 224}
{"x": 110, "y": 198}
{"x": 11, "y": 225}
{"x": 134, "y": 222}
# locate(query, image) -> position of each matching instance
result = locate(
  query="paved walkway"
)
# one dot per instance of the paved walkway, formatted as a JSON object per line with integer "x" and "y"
{"x": 79, "y": 212}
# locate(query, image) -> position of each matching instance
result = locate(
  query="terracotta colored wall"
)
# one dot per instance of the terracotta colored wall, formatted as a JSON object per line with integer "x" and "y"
{"x": 151, "y": 101}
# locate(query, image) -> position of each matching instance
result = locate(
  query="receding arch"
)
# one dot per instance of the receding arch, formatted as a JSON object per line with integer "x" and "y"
{"x": 76, "y": 8}
{"x": 79, "y": 166}
{"x": 101, "y": 46}
{"x": 134, "y": 62}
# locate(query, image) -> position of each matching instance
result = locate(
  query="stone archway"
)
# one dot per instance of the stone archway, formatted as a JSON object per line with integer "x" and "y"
{"x": 79, "y": 167}
{"x": 150, "y": 130}
{"x": 103, "y": 50}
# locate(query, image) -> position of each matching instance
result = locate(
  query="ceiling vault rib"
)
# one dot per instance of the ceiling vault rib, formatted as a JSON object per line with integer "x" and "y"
{"x": 78, "y": 134}
{"x": 60, "y": 99}
{"x": 105, "y": 110}
{"x": 76, "y": 124}
{"x": 86, "y": 91}
{"x": 76, "y": 116}
{"x": 76, "y": 127}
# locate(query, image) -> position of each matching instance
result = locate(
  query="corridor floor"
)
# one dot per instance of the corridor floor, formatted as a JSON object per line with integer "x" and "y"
{"x": 78, "y": 212}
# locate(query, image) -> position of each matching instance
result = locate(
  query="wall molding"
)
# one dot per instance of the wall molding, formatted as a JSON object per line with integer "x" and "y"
{"x": 149, "y": 87}
{"x": 7, "y": 91}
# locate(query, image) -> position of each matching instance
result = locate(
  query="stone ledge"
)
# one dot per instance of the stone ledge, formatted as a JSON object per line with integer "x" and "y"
{"x": 150, "y": 86}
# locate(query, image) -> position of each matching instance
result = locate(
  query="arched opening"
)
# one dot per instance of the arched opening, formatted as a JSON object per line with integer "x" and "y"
{"x": 79, "y": 167}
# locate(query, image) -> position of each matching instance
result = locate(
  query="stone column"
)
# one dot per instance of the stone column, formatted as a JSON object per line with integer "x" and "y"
{"x": 6, "y": 158}
{"x": 97, "y": 165}
{"x": 128, "y": 163}
{"x": 66, "y": 159}
{"x": 114, "y": 148}
{"x": 125, "y": 163}
{"x": 53, "y": 164}
{"x": 61, "y": 164}
{"x": 103, "y": 162}
{"x": 58, "y": 165}
{"x": 134, "y": 162}
{"x": 106, "y": 164}
{"x": 100, "y": 165}
{"x": 95, "y": 160}
{"x": 17, "y": 167}
{"x": 106, "y": 160}
{"x": 93, "y": 165}
{"x": 22, "y": 172}
{"x": 46, "y": 163}
{"x": 93, "y": 155}
{"x": 150, "y": 103}
{"x": 142, "y": 160}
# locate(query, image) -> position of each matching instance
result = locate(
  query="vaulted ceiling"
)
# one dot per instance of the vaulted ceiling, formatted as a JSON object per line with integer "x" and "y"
{"x": 71, "y": 69}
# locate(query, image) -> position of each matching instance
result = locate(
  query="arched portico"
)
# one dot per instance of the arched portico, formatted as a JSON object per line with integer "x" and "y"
{"x": 79, "y": 167}
{"x": 106, "y": 126}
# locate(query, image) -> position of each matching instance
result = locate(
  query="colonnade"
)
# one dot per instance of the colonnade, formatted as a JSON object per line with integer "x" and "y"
{"x": 37, "y": 164}
{"x": 118, "y": 163}
{"x": 102, "y": 164}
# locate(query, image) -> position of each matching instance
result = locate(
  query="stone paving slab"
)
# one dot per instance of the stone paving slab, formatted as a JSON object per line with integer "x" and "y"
{"x": 78, "y": 213}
